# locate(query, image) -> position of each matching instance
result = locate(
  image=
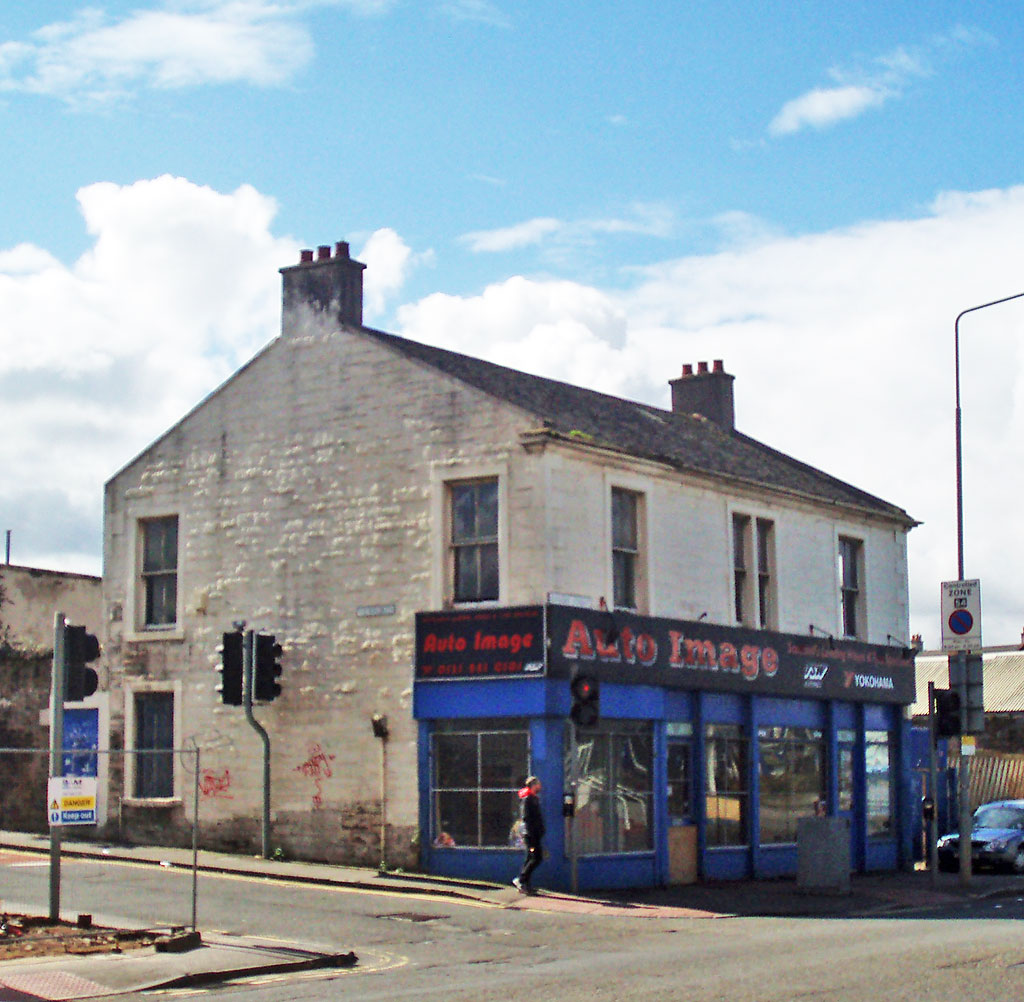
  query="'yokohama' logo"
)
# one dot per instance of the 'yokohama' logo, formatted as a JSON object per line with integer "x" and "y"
{"x": 854, "y": 680}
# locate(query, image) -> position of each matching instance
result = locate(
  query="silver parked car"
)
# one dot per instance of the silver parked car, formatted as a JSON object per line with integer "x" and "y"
{"x": 997, "y": 838}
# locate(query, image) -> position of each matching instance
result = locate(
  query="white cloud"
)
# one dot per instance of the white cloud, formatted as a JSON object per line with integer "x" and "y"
{"x": 93, "y": 58}
{"x": 644, "y": 219}
{"x": 525, "y": 234}
{"x": 179, "y": 288}
{"x": 389, "y": 260}
{"x": 822, "y": 107}
{"x": 481, "y": 11}
{"x": 858, "y": 90}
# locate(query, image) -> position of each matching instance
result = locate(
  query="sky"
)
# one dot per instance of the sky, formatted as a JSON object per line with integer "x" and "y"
{"x": 601, "y": 192}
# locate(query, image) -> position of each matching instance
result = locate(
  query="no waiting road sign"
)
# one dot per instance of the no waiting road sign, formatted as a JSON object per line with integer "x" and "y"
{"x": 961, "y": 615}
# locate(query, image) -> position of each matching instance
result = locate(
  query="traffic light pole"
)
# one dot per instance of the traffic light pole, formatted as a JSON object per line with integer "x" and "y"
{"x": 574, "y": 782}
{"x": 56, "y": 754}
{"x": 248, "y": 671}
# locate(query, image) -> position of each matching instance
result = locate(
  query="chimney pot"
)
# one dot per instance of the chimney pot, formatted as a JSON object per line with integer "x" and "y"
{"x": 334, "y": 285}
{"x": 708, "y": 393}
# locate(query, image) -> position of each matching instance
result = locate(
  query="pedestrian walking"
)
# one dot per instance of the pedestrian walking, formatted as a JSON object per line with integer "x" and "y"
{"x": 532, "y": 821}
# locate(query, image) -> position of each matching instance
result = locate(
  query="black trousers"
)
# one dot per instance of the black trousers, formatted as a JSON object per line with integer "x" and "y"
{"x": 534, "y": 857}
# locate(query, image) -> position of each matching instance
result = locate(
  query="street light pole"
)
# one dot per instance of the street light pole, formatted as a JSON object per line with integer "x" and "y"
{"x": 964, "y": 785}
{"x": 959, "y": 440}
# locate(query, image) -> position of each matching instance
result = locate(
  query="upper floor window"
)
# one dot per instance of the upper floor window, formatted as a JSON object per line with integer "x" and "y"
{"x": 474, "y": 540}
{"x": 741, "y": 580}
{"x": 625, "y": 548}
{"x": 160, "y": 570}
{"x": 765, "y": 530}
{"x": 753, "y": 571}
{"x": 851, "y": 589}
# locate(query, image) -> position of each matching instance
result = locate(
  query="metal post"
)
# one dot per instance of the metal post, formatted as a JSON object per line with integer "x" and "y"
{"x": 383, "y": 805}
{"x": 195, "y": 836}
{"x": 56, "y": 754}
{"x": 964, "y": 790}
{"x": 248, "y": 659}
{"x": 933, "y": 791}
{"x": 574, "y": 782}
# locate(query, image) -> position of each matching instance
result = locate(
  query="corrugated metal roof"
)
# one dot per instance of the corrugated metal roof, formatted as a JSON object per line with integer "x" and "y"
{"x": 1003, "y": 675}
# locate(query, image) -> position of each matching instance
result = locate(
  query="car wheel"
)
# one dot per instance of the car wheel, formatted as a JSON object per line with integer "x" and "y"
{"x": 1018, "y": 861}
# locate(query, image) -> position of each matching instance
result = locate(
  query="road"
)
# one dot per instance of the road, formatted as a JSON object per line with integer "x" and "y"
{"x": 414, "y": 947}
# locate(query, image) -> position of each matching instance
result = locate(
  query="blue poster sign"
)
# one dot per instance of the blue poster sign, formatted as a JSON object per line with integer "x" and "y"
{"x": 81, "y": 734}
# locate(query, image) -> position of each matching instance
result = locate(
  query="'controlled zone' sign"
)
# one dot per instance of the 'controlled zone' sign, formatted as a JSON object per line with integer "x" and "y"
{"x": 961, "y": 615}
{"x": 71, "y": 800}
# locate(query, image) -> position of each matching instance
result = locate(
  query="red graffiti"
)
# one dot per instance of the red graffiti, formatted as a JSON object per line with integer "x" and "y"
{"x": 212, "y": 784}
{"x": 318, "y": 768}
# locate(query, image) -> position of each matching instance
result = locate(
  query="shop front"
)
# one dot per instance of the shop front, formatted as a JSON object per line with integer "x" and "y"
{"x": 710, "y": 744}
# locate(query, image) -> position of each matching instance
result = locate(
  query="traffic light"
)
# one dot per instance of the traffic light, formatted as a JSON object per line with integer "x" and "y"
{"x": 80, "y": 648}
{"x": 267, "y": 669}
{"x": 230, "y": 686}
{"x": 586, "y": 700}
{"x": 947, "y": 713}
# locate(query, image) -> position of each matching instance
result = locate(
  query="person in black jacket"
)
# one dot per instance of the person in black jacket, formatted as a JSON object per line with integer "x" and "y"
{"x": 533, "y": 834}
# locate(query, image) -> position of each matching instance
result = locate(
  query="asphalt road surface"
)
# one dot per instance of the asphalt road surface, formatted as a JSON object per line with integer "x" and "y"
{"x": 428, "y": 947}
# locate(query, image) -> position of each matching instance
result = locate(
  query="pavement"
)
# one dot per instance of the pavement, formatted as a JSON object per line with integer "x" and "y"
{"x": 222, "y": 957}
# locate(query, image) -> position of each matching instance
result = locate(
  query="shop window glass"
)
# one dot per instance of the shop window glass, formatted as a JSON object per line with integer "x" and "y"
{"x": 727, "y": 785}
{"x": 878, "y": 773}
{"x": 791, "y": 773}
{"x": 614, "y": 803}
{"x": 477, "y": 770}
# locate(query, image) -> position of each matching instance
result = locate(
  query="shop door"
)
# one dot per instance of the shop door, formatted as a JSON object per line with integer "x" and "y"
{"x": 682, "y": 832}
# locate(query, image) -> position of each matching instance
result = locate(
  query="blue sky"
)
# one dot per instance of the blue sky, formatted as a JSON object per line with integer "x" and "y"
{"x": 598, "y": 192}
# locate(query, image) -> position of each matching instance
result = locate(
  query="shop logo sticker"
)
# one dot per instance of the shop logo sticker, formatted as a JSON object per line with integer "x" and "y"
{"x": 814, "y": 676}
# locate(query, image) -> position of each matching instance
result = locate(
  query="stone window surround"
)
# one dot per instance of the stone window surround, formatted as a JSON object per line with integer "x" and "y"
{"x": 132, "y": 689}
{"x": 135, "y": 604}
{"x": 441, "y": 577}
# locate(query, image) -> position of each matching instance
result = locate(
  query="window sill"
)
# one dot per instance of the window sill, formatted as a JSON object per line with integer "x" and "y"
{"x": 152, "y": 801}
{"x": 155, "y": 635}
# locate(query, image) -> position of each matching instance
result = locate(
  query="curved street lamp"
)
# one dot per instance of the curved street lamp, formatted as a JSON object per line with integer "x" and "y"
{"x": 959, "y": 449}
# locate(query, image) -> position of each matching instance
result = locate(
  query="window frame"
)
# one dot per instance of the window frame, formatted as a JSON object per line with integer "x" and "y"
{"x": 442, "y": 584}
{"x": 476, "y": 544}
{"x": 850, "y": 557}
{"x": 132, "y": 771}
{"x": 134, "y": 611}
{"x": 732, "y": 735}
{"x": 635, "y": 552}
{"x": 877, "y": 738}
{"x": 742, "y": 580}
{"x": 789, "y": 742}
{"x": 610, "y": 738}
{"x": 478, "y": 729}
{"x": 767, "y": 590}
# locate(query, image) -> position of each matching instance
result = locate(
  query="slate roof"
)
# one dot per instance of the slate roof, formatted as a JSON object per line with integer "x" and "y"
{"x": 1002, "y": 673}
{"x": 685, "y": 441}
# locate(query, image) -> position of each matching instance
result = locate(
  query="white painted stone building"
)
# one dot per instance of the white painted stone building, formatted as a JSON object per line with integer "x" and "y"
{"x": 312, "y": 496}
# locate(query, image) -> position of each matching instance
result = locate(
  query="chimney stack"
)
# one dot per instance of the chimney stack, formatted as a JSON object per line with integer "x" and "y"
{"x": 330, "y": 283}
{"x": 707, "y": 392}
